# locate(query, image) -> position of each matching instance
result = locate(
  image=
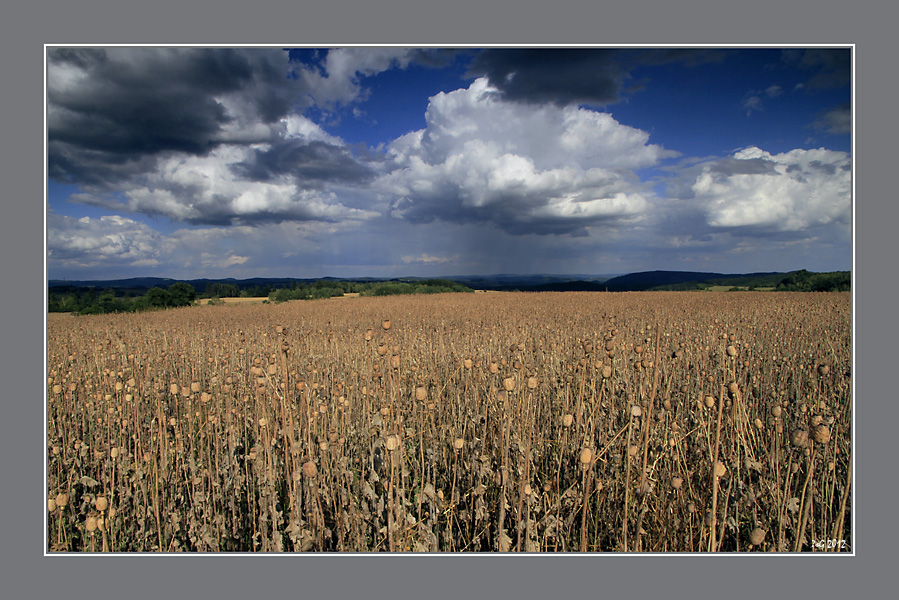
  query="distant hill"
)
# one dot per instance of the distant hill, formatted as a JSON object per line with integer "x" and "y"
{"x": 633, "y": 282}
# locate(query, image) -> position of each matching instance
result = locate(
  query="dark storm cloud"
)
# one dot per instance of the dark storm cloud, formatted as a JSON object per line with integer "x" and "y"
{"x": 574, "y": 75}
{"x": 436, "y": 58}
{"x": 558, "y": 75}
{"x": 310, "y": 163}
{"x": 106, "y": 107}
{"x": 518, "y": 214}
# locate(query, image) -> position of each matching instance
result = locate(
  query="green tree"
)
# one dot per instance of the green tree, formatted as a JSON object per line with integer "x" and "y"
{"x": 181, "y": 294}
{"x": 158, "y": 297}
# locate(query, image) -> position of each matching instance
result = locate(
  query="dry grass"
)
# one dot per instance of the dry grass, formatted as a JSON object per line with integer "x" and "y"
{"x": 470, "y": 422}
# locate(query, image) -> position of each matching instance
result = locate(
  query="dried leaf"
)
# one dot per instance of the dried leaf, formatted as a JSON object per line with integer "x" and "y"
{"x": 505, "y": 542}
{"x": 89, "y": 482}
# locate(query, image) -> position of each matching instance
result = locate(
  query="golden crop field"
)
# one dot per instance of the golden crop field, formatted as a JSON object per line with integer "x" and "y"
{"x": 531, "y": 422}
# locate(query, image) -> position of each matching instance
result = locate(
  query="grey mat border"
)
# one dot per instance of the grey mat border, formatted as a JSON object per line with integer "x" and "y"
{"x": 27, "y": 573}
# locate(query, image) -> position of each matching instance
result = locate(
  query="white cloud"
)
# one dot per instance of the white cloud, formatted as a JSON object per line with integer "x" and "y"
{"x": 107, "y": 240}
{"x": 484, "y": 158}
{"x": 427, "y": 259}
{"x": 204, "y": 189}
{"x": 343, "y": 69}
{"x": 791, "y": 191}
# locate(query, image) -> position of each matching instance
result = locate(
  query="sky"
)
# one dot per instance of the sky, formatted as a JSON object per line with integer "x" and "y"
{"x": 217, "y": 162}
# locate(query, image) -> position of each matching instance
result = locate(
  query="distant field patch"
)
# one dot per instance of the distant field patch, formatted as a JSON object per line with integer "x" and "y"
{"x": 253, "y": 300}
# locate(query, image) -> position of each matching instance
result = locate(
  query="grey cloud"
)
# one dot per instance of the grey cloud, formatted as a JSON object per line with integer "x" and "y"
{"x": 311, "y": 164}
{"x": 109, "y": 105}
{"x": 828, "y": 68}
{"x": 748, "y": 166}
{"x": 835, "y": 121}
{"x": 558, "y": 75}
{"x": 564, "y": 76}
{"x": 826, "y": 168}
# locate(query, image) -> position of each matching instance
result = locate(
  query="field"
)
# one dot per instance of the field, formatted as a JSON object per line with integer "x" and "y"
{"x": 531, "y": 422}
{"x": 255, "y": 300}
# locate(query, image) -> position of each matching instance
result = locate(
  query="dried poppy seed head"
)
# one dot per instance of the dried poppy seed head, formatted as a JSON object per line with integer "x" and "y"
{"x": 799, "y": 437}
{"x": 776, "y": 410}
{"x": 458, "y": 443}
{"x": 532, "y": 383}
{"x": 720, "y": 469}
{"x": 309, "y": 469}
{"x": 509, "y": 384}
{"x": 392, "y": 442}
{"x": 586, "y": 456}
{"x": 567, "y": 420}
{"x": 91, "y": 524}
{"x": 757, "y": 536}
{"x": 731, "y": 351}
{"x": 101, "y": 503}
{"x": 822, "y": 434}
{"x": 51, "y": 504}
{"x": 709, "y": 401}
{"x": 62, "y": 499}
{"x": 421, "y": 394}
{"x": 636, "y": 411}
{"x": 385, "y": 324}
{"x": 677, "y": 482}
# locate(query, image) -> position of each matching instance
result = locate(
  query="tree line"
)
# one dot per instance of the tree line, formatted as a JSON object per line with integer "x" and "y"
{"x": 94, "y": 301}
{"x": 331, "y": 288}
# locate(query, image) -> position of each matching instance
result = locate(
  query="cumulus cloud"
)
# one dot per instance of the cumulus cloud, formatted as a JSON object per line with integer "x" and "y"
{"x": 216, "y": 189}
{"x": 108, "y": 241}
{"x": 788, "y": 192}
{"x": 210, "y": 136}
{"x": 524, "y": 168}
{"x": 112, "y": 107}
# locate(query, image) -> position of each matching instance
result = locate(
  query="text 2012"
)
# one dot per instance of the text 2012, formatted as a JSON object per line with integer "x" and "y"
{"x": 829, "y": 544}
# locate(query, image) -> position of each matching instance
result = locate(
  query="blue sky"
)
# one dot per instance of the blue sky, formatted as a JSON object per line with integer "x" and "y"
{"x": 387, "y": 161}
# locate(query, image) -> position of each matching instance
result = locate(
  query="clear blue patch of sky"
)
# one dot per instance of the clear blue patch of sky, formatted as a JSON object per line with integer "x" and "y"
{"x": 700, "y": 110}
{"x": 396, "y": 102}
